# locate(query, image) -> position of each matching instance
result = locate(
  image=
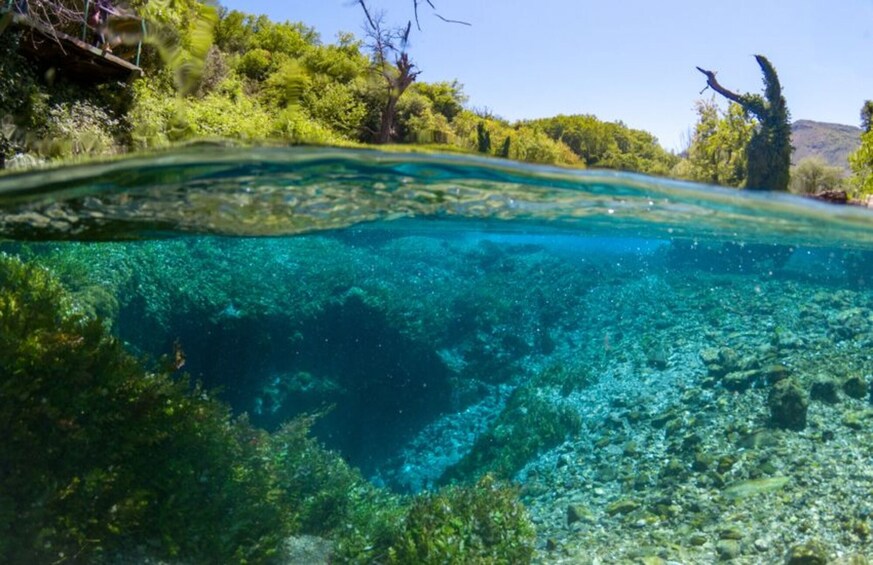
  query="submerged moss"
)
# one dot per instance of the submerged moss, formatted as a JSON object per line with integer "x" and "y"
{"x": 527, "y": 426}
{"x": 101, "y": 457}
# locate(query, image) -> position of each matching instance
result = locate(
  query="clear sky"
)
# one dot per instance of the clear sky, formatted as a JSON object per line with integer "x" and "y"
{"x": 629, "y": 60}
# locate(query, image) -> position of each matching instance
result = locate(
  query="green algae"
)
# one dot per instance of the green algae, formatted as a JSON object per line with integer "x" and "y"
{"x": 101, "y": 456}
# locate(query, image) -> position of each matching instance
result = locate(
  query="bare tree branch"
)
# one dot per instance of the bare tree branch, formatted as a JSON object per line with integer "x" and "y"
{"x": 712, "y": 83}
{"x": 448, "y": 21}
{"x": 417, "y": 3}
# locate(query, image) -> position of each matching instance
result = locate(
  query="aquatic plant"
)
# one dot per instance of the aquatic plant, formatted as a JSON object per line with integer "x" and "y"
{"x": 98, "y": 453}
{"x": 484, "y": 523}
{"x": 530, "y": 424}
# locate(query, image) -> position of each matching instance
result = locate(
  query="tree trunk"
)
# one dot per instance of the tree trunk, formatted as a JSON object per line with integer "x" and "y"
{"x": 386, "y": 128}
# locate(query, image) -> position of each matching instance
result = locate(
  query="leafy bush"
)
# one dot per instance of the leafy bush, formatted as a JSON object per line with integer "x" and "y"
{"x": 813, "y": 175}
{"x": 534, "y": 146}
{"x": 77, "y": 129}
{"x": 285, "y": 86}
{"x": 292, "y": 125}
{"x": 336, "y": 105}
{"x": 862, "y": 165}
{"x": 484, "y": 523}
{"x": 218, "y": 115}
{"x": 255, "y": 64}
{"x": 152, "y": 116}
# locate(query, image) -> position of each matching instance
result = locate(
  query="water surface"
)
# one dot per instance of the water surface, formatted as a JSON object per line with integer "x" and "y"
{"x": 667, "y": 370}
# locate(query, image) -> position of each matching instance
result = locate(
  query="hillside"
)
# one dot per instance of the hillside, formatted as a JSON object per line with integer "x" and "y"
{"x": 831, "y": 142}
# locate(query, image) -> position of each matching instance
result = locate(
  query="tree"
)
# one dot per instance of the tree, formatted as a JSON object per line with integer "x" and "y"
{"x": 862, "y": 165}
{"x": 483, "y": 138}
{"x": 717, "y": 154}
{"x": 768, "y": 153}
{"x": 385, "y": 44}
{"x": 867, "y": 116}
{"x": 812, "y": 176}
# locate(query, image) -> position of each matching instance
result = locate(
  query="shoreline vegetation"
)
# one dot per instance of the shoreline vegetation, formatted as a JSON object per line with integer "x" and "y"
{"x": 210, "y": 73}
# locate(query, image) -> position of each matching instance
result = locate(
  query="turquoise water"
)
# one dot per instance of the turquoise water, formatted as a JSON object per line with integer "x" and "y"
{"x": 668, "y": 372}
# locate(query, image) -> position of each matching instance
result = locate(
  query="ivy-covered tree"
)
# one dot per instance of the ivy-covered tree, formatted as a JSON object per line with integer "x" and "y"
{"x": 768, "y": 153}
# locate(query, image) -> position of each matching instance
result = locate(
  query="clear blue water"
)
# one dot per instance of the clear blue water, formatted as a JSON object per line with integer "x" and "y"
{"x": 613, "y": 343}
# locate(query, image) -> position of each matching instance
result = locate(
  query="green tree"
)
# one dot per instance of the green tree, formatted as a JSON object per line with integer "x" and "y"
{"x": 813, "y": 175}
{"x": 768, "y": 153}
{"x": 867, "y": 116}
{"x": 861, "y": 162}
{"x": 447, "y": 98}
{"x": 483, "y": 138}
{"x": 717, "y": 154}
{"x": 608, "y": 145}
{"x": 506, "y": 148}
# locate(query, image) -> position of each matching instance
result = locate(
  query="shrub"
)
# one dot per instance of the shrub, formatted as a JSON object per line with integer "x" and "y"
{"x": 255, "y": 64}
{"x": 484, "y": 523}
{"x": 813, "y": 175}
{"x": 79, "y": 128}
{"x": 337, "y": 106}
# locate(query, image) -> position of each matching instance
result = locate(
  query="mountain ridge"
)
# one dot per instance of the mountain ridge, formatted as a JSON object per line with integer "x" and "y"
{"x": 832, "y": 142}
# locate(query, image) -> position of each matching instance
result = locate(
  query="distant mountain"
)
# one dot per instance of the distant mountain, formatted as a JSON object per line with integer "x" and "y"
{"x": 831, "y": 142}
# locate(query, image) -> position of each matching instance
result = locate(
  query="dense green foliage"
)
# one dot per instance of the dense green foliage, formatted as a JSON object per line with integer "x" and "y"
{"x": 481, "y": 524}
{"x": 717, "y": 154}
{"x": 861, "y": 160}
{"x": 769, "y": 150}
{"x": 610, "y": 145}
{"x": 812, "y": 175}
{"x": 226, "y": 74}
{"x": 102, "y": 457}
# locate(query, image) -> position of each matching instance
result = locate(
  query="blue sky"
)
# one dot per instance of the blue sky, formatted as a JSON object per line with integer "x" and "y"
{"x": 629, "y": 60}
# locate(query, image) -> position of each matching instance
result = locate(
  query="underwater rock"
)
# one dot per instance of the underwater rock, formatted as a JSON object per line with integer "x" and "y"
{"x": 761, "y": 438}
{"x": 775, "y": 373}
{"x": 855, "y": 386}
{"x": 623, "y": 506}
{"x": 855, "y": 419}
{"x": 310, "y": 550}
{"x": 788, "y": 405}
{"x": 739, "y": 381}
{"x": 745, "y": 489}
{"x": 811, "y": 552}
{"x": 656, "y": 357}
{"x": 727, "y": 549}
{"x": 730, "y": 532}
{"x": 824, "y": 389}
{"x": 579, "y": 513}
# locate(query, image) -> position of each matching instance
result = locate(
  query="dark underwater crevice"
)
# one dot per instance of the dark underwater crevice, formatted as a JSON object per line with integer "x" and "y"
{"x": 375, "y": 386}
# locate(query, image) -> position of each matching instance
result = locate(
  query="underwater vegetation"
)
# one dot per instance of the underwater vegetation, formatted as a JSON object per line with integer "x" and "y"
{"x": 394, "y": 397}
{"x": 101, "y": 456}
